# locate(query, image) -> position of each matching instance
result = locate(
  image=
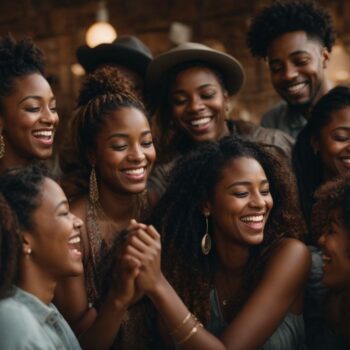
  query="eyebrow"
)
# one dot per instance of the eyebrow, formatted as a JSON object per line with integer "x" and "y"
{"x": 245, "y": 183}
{"x": 39, "y": 98}
{"x": 125, "y": 136}
{"x": 179, "y": 91}
{"x": 64, "y": 202}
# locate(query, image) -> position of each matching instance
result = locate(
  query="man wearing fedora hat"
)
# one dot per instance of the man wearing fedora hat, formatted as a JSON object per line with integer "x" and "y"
{"x": 128, "y": 53}
{"x": 295, "y": 38}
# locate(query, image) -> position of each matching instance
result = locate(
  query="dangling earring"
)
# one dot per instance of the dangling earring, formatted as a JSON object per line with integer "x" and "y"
{"x": 2, "y": 146}
{"x": 93, "y": 189}
{"x": 28, "y": 252}
{"x": 206, "y": 240}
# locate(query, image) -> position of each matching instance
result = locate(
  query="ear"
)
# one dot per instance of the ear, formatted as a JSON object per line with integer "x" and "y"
{"x": 27, "y": 244}
{"x": 325, "y": 57}
{"x": 314, "y": 145}
{"x": 206, "y": 208}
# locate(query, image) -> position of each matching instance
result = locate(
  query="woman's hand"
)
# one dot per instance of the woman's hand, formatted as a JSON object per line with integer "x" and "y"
{"x": 144, "y": 245}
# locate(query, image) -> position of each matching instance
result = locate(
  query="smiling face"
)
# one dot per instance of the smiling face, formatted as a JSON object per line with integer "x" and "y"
{"x": 241, "y": 203}
{"x": 55, "y": 237}
{"x": 335, "y": 246}
{"x": 28, "y": 119}
{"x": 297, "y": 68}
{"x": 198, "y": 104}
{"x": 124, "y": 151}
{"x": 333, "y": 144}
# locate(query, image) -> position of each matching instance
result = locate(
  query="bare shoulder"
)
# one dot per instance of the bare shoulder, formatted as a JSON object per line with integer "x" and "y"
{"x": 290, "y": 254}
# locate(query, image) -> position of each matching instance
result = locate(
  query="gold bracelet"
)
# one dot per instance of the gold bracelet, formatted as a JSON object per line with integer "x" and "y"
{"x": 181, "y": 324}
{"x": 191, "y": 333}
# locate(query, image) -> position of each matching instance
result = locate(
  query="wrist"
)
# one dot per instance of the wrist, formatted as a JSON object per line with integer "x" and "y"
{"x": 159, "y": 289}
{"x": 118, "y": 303}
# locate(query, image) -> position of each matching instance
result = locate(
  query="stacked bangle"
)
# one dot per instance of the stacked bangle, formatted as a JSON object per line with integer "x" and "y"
{"x": 192, "y": 331}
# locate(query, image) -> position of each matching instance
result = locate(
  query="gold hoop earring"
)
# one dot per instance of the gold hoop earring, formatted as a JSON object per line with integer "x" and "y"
{"x": 93, "y": 189}
{"x": 206, "y": 240}
{"x": 2, "y": 146}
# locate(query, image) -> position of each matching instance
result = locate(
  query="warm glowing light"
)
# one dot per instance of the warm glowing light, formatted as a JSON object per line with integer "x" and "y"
{"x": 77, "y": 69}
{"x": 99, "y": 33}
{"x": 338, "y": 69}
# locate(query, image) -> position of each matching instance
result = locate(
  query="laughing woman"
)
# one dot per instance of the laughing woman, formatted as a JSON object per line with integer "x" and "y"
{"x": 229, "y": 225}
{"x": 28, "y": 116}
{"x": 38, "y": 236}
{"x": 112, "y": 136}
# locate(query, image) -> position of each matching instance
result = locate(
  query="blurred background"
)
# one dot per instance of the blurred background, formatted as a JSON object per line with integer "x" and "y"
{"x": 59, "y": 27}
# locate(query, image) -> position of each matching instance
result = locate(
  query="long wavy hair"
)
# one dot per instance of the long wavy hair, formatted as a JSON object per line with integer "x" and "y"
{"x": 178, "y": 217}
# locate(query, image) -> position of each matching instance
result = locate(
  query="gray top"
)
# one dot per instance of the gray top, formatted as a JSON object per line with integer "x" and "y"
{"x": 290, "y": 334}
{"x": 28, "y": 323}
{"x": 281, "y": 117}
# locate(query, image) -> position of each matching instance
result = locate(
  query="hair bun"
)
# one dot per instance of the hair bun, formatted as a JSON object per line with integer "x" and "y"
{"x": 102, "y": 82}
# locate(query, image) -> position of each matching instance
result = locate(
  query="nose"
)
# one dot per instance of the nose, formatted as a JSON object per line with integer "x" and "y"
{"x": 321, "y": 240}
{"x": 290, "y": 71}
{"x": 195, "y": 104}
{"x": 49, "y": 117}
{"x": 136, "y": 154}
{"x": 257, "y": 201}
{"x": 77, "y": 222}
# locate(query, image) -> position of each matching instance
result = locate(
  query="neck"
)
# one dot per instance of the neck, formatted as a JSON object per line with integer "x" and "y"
{"x": 120, "y": 208}
{"x": 36, "y": 281}
{"x": 12, "y": 161}
{"x": 232, "y": 257}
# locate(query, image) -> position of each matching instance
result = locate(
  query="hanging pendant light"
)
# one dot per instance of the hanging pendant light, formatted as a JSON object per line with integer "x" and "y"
{"x": 101, "y": 31}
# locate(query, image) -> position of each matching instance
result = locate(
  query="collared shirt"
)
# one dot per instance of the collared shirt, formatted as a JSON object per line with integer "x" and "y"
{"x": 27, "y": 323}
{"x": 282, "y": 117}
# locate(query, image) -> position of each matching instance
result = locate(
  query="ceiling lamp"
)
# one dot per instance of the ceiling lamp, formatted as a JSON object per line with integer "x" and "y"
{"x": 101, "y": 31}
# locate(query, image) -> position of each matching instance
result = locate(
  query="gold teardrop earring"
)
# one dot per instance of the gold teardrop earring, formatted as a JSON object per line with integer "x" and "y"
{"x": 206, "y": 240}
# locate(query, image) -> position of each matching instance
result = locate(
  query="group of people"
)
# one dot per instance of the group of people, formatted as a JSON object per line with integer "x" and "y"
{"x": 169, "y": 224}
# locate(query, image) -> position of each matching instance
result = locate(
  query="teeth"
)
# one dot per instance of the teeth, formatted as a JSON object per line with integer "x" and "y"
{"x": 201, "y": 121}
{"x": 346, "y": 160}
{"x": 74, "y": 240}
{"x": 138, "y": 171}
{"x": 296, "y": 88}
{"x": 255, "y": 218}
{"x": 43, "y": 133}
{"x": 326, "y": 258}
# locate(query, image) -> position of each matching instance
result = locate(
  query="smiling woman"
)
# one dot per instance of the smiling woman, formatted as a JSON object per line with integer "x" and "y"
{"x": 38, "y": 247}
{"x": 28, "y": 116}
{"x": 112, "y": 139}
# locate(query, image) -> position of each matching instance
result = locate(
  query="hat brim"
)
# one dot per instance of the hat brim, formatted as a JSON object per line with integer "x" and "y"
{"x": 91, "y": 58}
{"x": 227, "y": 65}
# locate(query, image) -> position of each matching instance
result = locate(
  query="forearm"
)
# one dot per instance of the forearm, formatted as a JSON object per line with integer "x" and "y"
{"x": 173, "y": 312}
{"x": 102, "y": 332}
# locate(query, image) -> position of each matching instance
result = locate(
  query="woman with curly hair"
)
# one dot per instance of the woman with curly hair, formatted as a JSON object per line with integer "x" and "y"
{"x": 113, "y": 142}
{"x": 28, "y": 116}
{"x": 330, "y": 222}
{"x": 229, "y": 227}
{"x": 322, "y": 150}
{"x": 39, "y": 245}
{"x": 190, "y": 87}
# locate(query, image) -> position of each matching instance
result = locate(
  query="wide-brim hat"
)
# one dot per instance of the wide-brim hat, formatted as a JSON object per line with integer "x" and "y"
{"x": 230, "y": 68}
{"x": 126, "y": 51}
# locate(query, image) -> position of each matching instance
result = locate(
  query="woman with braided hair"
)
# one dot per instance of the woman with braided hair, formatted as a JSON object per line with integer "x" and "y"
{"x": 28, "y": 116}
{"x": 113, "y": 142}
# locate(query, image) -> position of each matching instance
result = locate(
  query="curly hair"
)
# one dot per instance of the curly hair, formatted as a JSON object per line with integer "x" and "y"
{"x": 20, "y": 196}
{"x": 178, "y": 216}
{"x": 104, "y": 91}
{"x": 288, "y": 16}
{"x": 308, "y": 166}
{"x": 16, "y": 60}
{"x": 334, "y": 194}
{"x": 169, "y": 139}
